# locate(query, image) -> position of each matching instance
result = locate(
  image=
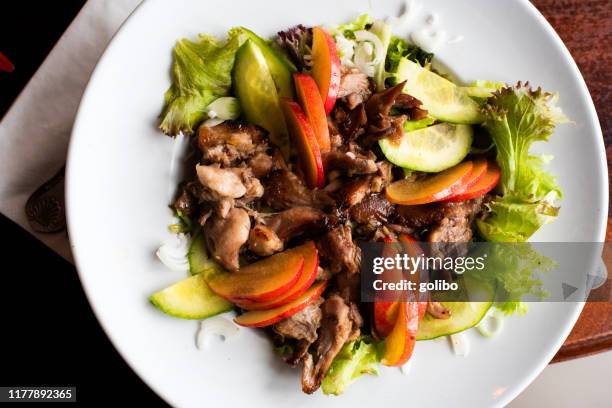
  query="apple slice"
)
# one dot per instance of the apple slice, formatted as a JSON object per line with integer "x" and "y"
{"x": 479, "y": 169}
{"x": 399, "y": 345}
{"x": 385, "y": 311}
{"x": 386, "y": 302}
{"x": 482, "y": 187}
{"x": 262, "y": 280}
{"x": 309, "y": 97}
{"x": 311, "y": 265}
{"x": 325, "y": 67}
{"x": 432, "y": 188}
{"x": 262, "y": 318}
{"x": 306, "y": 143}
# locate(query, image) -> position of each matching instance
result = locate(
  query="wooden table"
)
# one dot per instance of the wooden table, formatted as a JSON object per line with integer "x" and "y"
{"x": 586, "y": 28}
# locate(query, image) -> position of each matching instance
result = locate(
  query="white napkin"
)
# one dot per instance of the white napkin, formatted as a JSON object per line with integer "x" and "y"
{"x": 34, "y": 133}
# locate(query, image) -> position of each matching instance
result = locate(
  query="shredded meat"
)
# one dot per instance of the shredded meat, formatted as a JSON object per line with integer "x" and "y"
{"x": 378, "y": 108}
{"x": 283, "y": 190}
{"x": 421, "y": 216}
{"x": 410, "y": 106}
{"x": 455, "y": 226}
{"x": 221, "y": 182}
{"x": 229, "y": 143}
{"x": 185, "y": 203}
{"x": 261, "y": 164}
{"x": 353, "y": 192}
{"x": 296, "y": 221}
{"x": 263, "y": 241}
{"x": 349, "y": 162}
{"x": 225, "y": 237}
{"x": 373, "y": 211}
{"x": 339, "y": 251}
{"x": 350, "y": 123}
{"x": 354, "y": 87}
{"x": 340, "y": 323}
{"x": 437, "y": 310}
{"x": 303, "y": 325}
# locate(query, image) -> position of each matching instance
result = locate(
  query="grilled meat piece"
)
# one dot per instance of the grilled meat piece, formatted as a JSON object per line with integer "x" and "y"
{"x": 263, "y": 241}
{"x": 221, "y": 182}
{"x": 225, "y": 237}
{"x": 410, "y": 106}
{"x": 295, "y": 221}
{"x": 284, "y": 190}
{"x": 350, "y": 123}
{"x": 354, "y": 87}
{"x": 340, "y": 323}
{"x": 261, "y": 164}
{"x": 373, "y": 211}
{"x": 349, "y": 162}
{"x": 354, "y": 191}
{"x": 303, "y": 325}
{"x": 339, "y": 251}
{"x": 230, "y": 143}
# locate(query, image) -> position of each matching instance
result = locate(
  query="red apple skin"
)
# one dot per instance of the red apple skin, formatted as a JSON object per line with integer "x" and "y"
{"x": 260, "y": 281}
{"x": 479, "y": 169}
{"x": 263, "y": 318}
{"x": 309, "y": 97}
{"x": 434, "y": 188}
{"x": 311, "y": 265}
{"x": 326, "y": 68}
{"x": 306, "y": 143}
{"x": 487, "y": 183}
{"x": 385, "y": 304}
{"x": 399, "y": 345}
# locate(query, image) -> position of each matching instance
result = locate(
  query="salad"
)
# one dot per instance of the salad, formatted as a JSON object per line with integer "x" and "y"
{"x": 321, "y": 138}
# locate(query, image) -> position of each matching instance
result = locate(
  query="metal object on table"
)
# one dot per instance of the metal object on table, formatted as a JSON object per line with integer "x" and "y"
{"x": 45, "y": 209}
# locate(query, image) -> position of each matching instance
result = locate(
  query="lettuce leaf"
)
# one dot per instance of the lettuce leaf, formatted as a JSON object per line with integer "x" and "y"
{"x": 363, "y": 22}
{"x": 516, "y": 117}
{"x": 513, "y": 270}
{"x": 399, "y": 49}
{"x": 356, "y": 358}
{"x": 201, "y": 73}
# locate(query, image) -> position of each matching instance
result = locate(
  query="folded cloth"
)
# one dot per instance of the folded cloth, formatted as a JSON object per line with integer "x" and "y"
{"x": 34, "y": 133}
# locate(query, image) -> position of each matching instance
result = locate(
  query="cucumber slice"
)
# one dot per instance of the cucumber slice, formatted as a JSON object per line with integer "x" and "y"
{"x": 199, "y": 261}
{"x": 464, "y": 315}
{"x": 190, "y": 298}
{"x": 432, "y": 149}
{"x": 256, "y": 90}
{"x": 442, "y": 99}
{"x": 281, "y": 68}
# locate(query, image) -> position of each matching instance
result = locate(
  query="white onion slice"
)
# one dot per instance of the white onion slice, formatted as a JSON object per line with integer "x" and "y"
{"x": 492, "y": 324}
{"x": 379, "y": 51}
{"x": 460, "y": 344}
{"x": 220, "y": 325}
{"x": 212, "y": 122}
{"x": 173, "y": 253}
{"x": 405, "y": 369}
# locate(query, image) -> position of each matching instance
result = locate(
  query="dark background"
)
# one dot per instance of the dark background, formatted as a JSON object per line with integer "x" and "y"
{"x": 49, "y": 334}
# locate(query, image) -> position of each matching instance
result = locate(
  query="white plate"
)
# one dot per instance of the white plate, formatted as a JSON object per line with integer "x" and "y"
{"x": 120, "y": 182}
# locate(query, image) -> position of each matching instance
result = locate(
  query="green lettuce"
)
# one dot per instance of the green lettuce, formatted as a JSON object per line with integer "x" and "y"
{"x": 201, "y": 73}
{"x": 512, "y": 269}
{"x": 356, "y": 358}
{"x": 363, "y": 22}
{"x": 516, "y": 117}
{"x": 399, "y": 49}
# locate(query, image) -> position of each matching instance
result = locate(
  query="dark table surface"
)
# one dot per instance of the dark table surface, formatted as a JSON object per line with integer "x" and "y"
{"x": 50, "y": 335}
